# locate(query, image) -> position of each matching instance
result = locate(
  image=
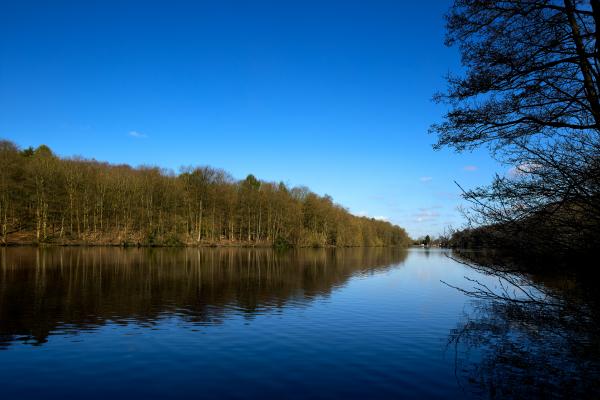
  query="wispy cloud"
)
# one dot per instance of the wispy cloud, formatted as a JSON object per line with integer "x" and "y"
{"x": 378, "y": 217}
{"x": 137, "y": 135}
{"x": 523, "y": 169}
{"x": 425, "y": 179}
{"x": 470, "y": 168}
{"x": 381, "y": 218}
{"x": 426, "y": 216}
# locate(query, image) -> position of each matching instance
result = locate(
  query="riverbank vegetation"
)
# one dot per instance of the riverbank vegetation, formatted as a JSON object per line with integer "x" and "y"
{"x": 531, "y": 95}
{"x": 48, "y": 199}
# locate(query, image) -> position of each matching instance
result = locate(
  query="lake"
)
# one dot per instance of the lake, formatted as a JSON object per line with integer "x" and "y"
{"x": 256, "y": 323}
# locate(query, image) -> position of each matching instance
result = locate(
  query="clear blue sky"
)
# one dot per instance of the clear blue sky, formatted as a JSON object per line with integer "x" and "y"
{"x": 332, "y": 95}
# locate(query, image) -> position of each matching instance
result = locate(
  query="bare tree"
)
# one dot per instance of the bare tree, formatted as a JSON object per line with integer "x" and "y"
{"x": 530, "y": 94}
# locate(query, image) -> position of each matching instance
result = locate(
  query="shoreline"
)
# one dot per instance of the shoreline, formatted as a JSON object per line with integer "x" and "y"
{"x": 129, "y": 245}
{"x": 28, "y": 238}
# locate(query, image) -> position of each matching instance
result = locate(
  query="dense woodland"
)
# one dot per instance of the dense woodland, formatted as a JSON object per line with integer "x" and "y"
{"x": 49, "y": 199}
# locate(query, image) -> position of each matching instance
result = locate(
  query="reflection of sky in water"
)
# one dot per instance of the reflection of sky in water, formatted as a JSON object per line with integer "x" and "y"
{"x": 352, "y": 323}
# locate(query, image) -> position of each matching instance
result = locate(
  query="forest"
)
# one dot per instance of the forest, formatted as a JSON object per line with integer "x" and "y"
{"x": 45, "y": 198}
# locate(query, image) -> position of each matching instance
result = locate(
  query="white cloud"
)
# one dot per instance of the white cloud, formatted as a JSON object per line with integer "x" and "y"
{"x": 426, "y": 215}
{"x": 378, "y": 217}
{"x": 426, "y": 179}
{"x": 470, "y": 168}
{"x": 138, "y": 135}
{"x": 381, "y": 218}
{"x": 523, "y": 169}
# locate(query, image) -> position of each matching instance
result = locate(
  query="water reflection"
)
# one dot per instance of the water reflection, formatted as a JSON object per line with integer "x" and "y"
{"x": 43, "y": 290}
{"x": 527, "y": 337}
{"x": 111, "y": 316}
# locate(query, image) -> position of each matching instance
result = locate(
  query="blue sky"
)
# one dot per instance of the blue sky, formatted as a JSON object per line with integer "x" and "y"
{"x": 332, "y": 95}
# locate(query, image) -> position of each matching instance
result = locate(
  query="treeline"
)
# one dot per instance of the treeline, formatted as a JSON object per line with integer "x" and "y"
{"x": 555, "y": 237}
{"x": 48, "y": 199}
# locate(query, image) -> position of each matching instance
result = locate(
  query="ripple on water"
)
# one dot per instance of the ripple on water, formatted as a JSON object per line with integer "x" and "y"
{"x": 356, "y": 323}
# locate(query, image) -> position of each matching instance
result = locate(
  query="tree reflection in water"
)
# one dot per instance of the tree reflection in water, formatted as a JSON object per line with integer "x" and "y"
{"x": 526, "y": 338}
{"x": 74, "y": 289}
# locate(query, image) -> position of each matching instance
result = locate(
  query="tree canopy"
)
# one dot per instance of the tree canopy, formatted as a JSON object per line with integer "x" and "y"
{"x": 45, "y": 198}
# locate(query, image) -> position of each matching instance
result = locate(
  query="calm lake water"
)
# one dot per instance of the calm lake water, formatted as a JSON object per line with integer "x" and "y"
{"x": 241, "y": 323}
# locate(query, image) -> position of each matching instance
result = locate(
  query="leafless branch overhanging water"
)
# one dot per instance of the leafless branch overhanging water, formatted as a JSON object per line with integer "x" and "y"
{"x": 525, "y": 330}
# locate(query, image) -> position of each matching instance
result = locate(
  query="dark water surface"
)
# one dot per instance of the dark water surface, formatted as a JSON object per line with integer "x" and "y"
{"x": 239, "y": 323}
